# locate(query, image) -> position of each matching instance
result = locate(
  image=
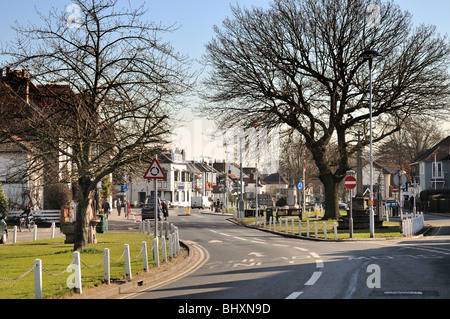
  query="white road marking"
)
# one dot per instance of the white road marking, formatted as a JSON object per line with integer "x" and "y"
{"x": 294, "y": 295}
{"x": 315, "y": 276}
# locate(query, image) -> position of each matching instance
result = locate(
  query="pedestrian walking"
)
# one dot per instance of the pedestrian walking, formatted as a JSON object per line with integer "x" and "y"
{"x": 106, "y": 206}
{"x": 119, "y": 206}
{"x": 165, "y": 210}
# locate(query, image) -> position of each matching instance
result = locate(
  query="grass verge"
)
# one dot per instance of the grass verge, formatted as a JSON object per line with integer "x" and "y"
{"x": 17, "y": 259}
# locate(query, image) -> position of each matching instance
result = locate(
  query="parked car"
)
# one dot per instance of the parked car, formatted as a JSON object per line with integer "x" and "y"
{"x": 200, "y": 202}
{"x": 148, "y": 209}
{"x": 343, "y": 206}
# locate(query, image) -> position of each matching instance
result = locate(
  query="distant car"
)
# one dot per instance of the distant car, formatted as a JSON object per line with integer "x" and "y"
{"x": 148, "y": 209}
{"x": 390, "y": 202}
{"x": 343, "y": 206}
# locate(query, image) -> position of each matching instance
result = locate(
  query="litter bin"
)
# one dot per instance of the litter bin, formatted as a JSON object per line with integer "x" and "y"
{"x": 100, "y": 228}
{"x": 249, "y": 212}
{"x": 395, "y": 210}
{"x": 269, "y": 213}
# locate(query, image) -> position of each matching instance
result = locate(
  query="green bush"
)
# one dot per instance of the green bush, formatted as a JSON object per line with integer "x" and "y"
{"x": 4, "y": 206}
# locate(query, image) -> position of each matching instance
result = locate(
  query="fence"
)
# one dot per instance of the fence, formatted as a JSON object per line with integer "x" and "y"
{"x": 172, "y": 245}
{"x": 47, "y": 216}
{"x": 411, "y": 226}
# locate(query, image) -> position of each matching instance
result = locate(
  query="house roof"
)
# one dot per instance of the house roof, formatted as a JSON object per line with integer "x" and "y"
{"x": 387, "y": 169}
{"x": 441, "y": 150}
{"x": 275, "y": 178}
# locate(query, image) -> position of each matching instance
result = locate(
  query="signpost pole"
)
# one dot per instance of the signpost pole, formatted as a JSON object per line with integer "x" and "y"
{"x": 156, "y": 208}
{"x": 155, "y": 172}
{"x": 350, "y": 183}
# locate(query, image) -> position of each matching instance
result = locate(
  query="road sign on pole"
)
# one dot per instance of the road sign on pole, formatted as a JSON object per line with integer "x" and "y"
{"x": 300, "y": 186}
{"x": 155, "y": 171}
{"x": 350, "y": 182}
{"x": 395, "y": 189}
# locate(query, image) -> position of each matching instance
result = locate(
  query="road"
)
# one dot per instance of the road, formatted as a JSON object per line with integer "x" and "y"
{"x": 244, "y": 263}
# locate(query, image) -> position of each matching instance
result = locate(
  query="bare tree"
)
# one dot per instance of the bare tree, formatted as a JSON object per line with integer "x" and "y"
{"x": 416, "y": 136}
{"x": 297, "y": 64}
{"x": 108, "y": 91}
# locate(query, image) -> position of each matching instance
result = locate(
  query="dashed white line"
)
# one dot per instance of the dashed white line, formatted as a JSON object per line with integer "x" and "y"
{"x": 315, "y": 276}
{"x": 294, "y": 295}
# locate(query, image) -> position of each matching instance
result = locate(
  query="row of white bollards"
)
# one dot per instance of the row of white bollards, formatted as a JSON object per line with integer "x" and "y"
{"x": 273, "y": 226}
{"x": 171, "y": 244}
{"x": 35, "y": 232}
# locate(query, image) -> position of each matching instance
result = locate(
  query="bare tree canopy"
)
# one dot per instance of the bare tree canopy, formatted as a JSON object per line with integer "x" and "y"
{"x": 108, "y": 89}
{"x": 298, "y": 64}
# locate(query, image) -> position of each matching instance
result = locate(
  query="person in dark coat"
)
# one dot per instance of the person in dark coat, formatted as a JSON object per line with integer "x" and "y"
{"x": 165, "y": 210}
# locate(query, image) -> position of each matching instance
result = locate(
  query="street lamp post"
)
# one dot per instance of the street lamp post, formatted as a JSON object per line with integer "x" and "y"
{"x": 369, "y": 55}
{"x": 256, "y": 173}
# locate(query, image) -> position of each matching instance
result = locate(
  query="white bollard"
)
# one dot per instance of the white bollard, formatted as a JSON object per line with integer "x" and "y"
{"x": 106, "y": 266}
{"x": 170, "y": 246}
{"x": 53, "y": 230}
{"x": 299, "y": 227}
{"x": 177, "y": 243}
{"x": 292, "y": 226}
{"x": 307, "y": 228}
{"x": 35, "y": 229}
{"x": 15, "y": 235}
{"x": 77, "y": 272}
{"x": 37, "y": 279}
{"x": 164, "y": 249}
{"x": 279, "y": 227}
{"x": 144, "y": 256}
{"x": 335, "y": 231}
{"x": 285, "y": 226}
{"x": 126, "y": 248}
{"x": 315, "y": 229}
{"x": 156, "y": 251}
{"x": 270, "y": 223}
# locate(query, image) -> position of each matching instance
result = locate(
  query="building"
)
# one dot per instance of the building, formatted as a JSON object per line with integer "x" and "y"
{"x": 383, "y": 179}
{"x": 431, "y": 170}
{"x": 185, "y": 179}
{"x": 276, "y": 185}
{"x": 27, "y": 178}
{"x": 21, "y": 186}
{"x": 176, "y": 188}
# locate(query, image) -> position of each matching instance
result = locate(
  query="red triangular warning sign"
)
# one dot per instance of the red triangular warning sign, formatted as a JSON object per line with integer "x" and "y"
{"x": 155, "y": 171}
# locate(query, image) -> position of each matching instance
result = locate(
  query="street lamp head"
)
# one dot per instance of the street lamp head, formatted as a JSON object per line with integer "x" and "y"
{"x": 369, "y": 54}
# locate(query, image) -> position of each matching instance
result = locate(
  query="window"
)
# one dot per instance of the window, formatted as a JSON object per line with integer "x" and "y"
{"x": 439, "y": 171}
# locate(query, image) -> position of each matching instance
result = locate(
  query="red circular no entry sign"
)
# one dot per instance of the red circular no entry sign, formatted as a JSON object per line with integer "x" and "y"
{"x": 350, "y": 182}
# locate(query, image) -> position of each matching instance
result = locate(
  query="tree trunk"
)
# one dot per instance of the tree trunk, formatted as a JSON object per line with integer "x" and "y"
{"x": 83, "y": 213}
{"x": 330, "y": 185}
